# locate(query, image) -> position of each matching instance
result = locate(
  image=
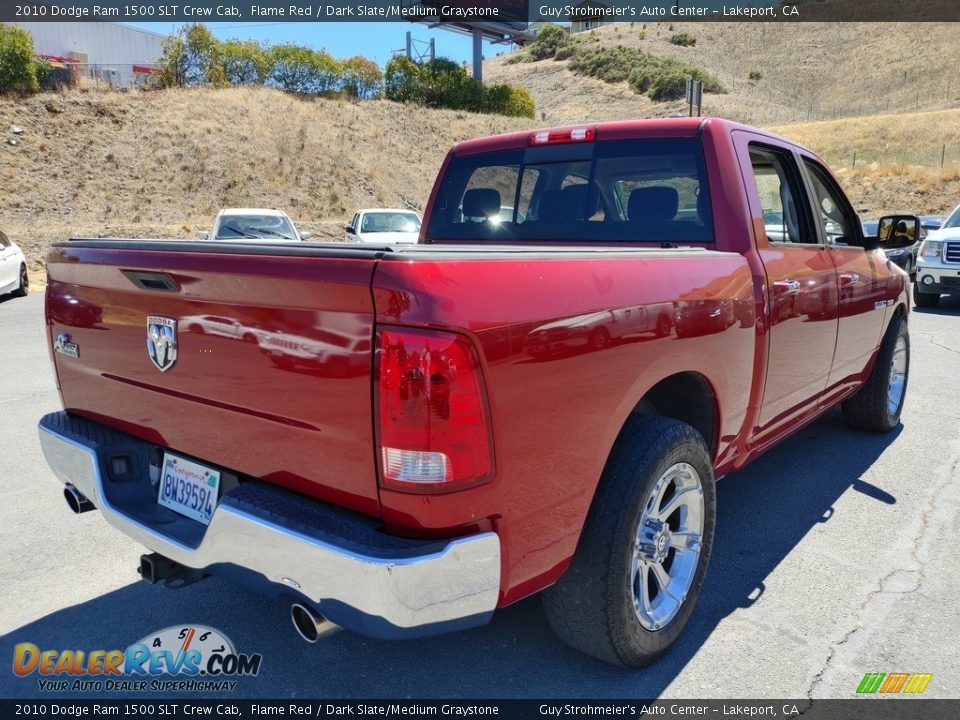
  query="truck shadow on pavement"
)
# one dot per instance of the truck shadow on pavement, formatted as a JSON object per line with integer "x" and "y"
{"x": 763, "y": 514}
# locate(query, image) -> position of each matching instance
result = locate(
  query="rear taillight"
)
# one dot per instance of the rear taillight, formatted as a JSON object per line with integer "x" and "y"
{"x": 433, "y": 433}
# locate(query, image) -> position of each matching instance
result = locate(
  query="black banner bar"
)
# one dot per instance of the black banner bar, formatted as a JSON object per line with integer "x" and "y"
{"x": 872, "y": 708}
{"x": 479, "y": 11}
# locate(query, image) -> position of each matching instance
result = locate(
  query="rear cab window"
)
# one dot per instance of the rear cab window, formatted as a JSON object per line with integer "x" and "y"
{"x": 614, "y": 191}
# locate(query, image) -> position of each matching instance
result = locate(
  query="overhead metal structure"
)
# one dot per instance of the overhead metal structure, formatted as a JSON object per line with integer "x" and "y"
{"x": 499, "y": 32}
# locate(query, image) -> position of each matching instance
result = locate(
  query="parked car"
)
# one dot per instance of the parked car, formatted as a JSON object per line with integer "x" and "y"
{"x": 253, "y": 225}
{"x": 938, "y": 263}
{"x": 383, "y": 225}
{"x": 870, "y": 227}
{"x": 900, "y": 237}
{"x": 217, "y": 325}
{"x": 450, "y": 474}
{"x": 13, "y": 268}
{"x": 931, "y": 222}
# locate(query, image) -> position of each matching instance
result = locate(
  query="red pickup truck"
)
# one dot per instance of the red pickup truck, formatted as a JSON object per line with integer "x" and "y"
{"x": 597, "y": 323}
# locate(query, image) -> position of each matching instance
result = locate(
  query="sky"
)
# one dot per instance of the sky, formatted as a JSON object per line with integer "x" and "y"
{"x": 371, "y": 39}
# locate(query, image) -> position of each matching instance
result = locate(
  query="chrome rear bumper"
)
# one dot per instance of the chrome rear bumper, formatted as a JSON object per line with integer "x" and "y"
{"x": 354, "y": 574}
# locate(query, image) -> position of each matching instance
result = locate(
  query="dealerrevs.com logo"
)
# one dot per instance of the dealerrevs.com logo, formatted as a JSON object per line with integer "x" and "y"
{"x": 188, "y": 658}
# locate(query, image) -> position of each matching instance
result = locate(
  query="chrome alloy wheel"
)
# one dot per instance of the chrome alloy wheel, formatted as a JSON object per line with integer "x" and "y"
{"x": 898, "y": 376}
{"x": 667, "y": 546}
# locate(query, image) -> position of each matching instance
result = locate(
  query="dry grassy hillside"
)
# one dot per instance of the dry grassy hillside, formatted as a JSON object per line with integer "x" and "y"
{"x": 162, "y": 164}
{"x": 890, "y": 163}
{"x": 809, "y": 71}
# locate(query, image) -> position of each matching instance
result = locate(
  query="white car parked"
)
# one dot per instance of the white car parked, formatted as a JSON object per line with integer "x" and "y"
{"x": 253, "y": 224}
{"x": 383, "y": 225}
{"x": 13, "y": 268}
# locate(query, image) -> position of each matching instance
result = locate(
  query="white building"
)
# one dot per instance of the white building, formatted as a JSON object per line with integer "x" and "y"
{"x": 106, "y": 52}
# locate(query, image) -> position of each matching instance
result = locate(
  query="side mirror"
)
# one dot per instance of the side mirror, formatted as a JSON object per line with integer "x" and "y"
{"x": 306, "y": 235}
{"x": 349, "y": 229}
{"x": 203, "y": 235}
{"x": 898, "y": 231}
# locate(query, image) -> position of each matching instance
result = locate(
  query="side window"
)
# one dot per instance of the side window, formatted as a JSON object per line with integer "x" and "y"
{"x": 779, "y": 187}
{"x": 353, "y": 223}
{"x": 837, "y": 220}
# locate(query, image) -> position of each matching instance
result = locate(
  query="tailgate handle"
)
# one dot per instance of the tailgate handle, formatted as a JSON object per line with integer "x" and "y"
{"x": 158, "y": 281}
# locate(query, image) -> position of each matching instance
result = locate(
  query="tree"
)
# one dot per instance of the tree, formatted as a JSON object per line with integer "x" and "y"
{"x": 401, "y": 80}
{"x": 362, "y": 77}
{"x": 245, "y": 62}
{"x": 328, "y": 73}
{"x": 293, "y": 68}
{"x": 18, "y": 63}
{"x": 192, "y": 56}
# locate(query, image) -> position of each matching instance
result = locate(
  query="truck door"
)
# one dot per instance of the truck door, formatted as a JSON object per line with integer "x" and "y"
{"x": 802, "y": 286}
{"x": 861, "y": 276}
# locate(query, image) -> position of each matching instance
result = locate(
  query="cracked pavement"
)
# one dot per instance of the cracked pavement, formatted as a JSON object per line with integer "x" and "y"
{"x": 836, "y": 555}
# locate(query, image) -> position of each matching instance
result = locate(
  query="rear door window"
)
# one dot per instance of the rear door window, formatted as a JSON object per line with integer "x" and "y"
{"x": 642, "y": 191}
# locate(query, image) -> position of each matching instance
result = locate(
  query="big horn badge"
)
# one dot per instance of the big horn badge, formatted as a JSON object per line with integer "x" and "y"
{"x": 162, "y": 341}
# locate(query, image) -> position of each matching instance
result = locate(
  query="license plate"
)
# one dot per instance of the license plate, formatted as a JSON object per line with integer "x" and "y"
{"x": 188, "y": 488}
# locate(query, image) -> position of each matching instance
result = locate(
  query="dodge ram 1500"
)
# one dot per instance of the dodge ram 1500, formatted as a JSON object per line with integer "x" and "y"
{"x": 485, "y": 436}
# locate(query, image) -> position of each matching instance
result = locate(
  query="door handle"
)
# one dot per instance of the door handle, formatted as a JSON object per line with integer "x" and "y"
{"x": 849, "y": 279}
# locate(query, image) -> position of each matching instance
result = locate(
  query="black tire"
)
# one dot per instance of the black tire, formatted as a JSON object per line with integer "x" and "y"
{"x": 925, "y": 300}
{"x": 591, "y": 607}
{"x": 24, "y": 288}
{"x": 663, "y": 326}
{"x": 599, "y": 339}
{"x": 870, "y": 408}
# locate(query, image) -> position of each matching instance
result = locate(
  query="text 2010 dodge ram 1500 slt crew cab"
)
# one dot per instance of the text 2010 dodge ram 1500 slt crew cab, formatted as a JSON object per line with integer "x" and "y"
{"x": 471, "y": 448}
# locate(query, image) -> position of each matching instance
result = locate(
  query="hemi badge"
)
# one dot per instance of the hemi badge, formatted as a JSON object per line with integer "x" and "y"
{"x": 65, "y": 347}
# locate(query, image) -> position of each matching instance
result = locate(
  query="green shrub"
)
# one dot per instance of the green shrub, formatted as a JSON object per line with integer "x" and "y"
{"x": 508, "y": 100}
{"x": 683, "y": 39}
{"x": 550, "y": 40}
{"x": 755, "y": 75}
{"x": 443, "y": 83}
{"x": 610, "y": 64}
{"x": 18, "y": 64}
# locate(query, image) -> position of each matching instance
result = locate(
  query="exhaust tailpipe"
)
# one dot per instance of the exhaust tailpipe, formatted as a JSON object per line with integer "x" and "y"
{"x": 77, "y": 500}
{"x": 311, "y": 625}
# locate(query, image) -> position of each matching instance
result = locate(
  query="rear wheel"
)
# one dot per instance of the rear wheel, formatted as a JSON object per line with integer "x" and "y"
{"x": 922, "y": 299}
{"x": 643, "y": 554}
{"x": 877, "y": 405}
{"x": 24, "y": 287}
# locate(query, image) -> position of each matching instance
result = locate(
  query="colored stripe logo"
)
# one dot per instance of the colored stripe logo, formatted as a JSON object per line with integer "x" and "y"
{"x": 893, "y": 683}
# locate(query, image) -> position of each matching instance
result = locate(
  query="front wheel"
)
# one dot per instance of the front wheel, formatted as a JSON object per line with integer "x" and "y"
{"x": 24, "y": 287}
{"x": 644, "y": 550}
{"x": 878, "y": 403}
{"x": 925, "y": 300}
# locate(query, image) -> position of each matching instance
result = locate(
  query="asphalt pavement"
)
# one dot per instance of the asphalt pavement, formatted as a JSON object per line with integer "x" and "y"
{"x": 835, "y": 555}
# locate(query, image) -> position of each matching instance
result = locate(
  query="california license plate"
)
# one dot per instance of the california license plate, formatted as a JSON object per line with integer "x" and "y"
{"x": 188, "y": 488}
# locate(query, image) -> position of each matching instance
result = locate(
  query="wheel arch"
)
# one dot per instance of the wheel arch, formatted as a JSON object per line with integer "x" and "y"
{"x": 689, "y": 397}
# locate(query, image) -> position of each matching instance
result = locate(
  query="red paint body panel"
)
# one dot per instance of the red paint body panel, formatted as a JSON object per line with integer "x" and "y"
{"x": 777, "y": 333}
{"x": 557, "y": 412}
{"x": 268, "y": 394}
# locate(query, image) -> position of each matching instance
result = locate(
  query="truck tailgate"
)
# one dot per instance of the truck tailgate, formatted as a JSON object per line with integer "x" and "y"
{"x": 271, "y": 371}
